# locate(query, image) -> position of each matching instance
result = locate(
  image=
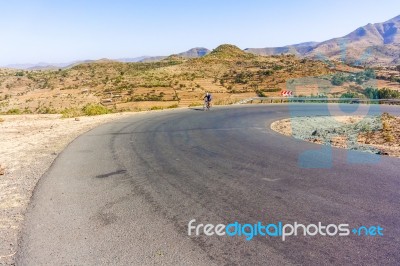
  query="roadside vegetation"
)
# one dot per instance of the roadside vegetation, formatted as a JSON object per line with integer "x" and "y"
{"x": 87, "y": 110}
{"x": 229, "y": 73}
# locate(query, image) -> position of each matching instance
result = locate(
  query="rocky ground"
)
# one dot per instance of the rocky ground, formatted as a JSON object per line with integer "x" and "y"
{"x": 374, "y": 134}
{"x": 28, "y": 146}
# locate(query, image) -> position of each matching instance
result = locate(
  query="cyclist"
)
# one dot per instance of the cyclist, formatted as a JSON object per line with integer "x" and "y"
{"x": 207, "y": 101}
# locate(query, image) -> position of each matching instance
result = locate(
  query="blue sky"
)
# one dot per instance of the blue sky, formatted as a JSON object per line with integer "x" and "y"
{"x": 63, "y": 31}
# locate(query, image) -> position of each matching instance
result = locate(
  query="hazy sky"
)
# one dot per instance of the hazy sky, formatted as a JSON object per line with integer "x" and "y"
{"x": 61, "y": 31}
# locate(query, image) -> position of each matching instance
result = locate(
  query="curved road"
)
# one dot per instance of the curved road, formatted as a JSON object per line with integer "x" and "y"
{"x": 124, "y": 193}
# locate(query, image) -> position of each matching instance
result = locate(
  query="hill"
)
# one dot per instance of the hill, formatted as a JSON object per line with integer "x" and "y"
{"x": 297, "y": 49}
{"x": 191, "y": 53}
{"x": 228, "y": 51}
{"x": 195, "y": 52}
{"x": 227, "y": 71}
{"x": 373, "y": 44}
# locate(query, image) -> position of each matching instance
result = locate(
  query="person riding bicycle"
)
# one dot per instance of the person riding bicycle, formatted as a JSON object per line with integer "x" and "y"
{"x": 207, "y": 100}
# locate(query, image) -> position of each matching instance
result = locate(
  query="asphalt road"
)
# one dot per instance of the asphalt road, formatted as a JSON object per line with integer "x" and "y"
{"x": 125, "y": 192}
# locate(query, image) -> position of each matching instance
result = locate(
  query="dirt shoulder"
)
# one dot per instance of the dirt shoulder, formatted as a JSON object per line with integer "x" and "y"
{"x": 374, "y": 134}
{"x": 28, "y": 146}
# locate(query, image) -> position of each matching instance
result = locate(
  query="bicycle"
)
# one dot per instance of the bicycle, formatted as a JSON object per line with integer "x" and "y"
{"x": 207, "y": 106}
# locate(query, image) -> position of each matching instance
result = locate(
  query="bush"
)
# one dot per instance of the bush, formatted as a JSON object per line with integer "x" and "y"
{"x": 14, "y": 111}
{"x": 46, "y": 110}
{"x": 371, "y": 93}
{"x": 95, "y": 109}
{"x": 370, "y": 73}
{"x": 260, "y": 93}
{"x": 349, "y": 94}
{"x": 173, "y": 106}
{"x": 71, "y": 112}
{"x": 338, "y": 80}
{"x": 384, "y": 93}
{"x": 271, "y": 90}
{"x": 156, "y": 108}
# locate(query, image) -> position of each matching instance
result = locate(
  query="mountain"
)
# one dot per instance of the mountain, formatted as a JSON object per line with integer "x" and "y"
{"x": 131, "y": 60}
{"x": 38, "y": 66}
{"x": 48, "y": 66}
{"x": 372, "y": 44}
{"x": 153, "y": 59}
{"x": 298, "y": 49}
{"x": 195, "y": 52}
{"x": 192, "y": 53}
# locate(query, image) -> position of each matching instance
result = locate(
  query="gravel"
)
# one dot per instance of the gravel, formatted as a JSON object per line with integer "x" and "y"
{"x": 329, "y": 130}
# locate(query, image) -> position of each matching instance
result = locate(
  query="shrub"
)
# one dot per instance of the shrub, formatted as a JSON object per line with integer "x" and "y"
{"x": 95, "y": 109}
{"x": 371, "y": 93}
{"x": 260, "y": 93}
{"x": 387, "y": 132}
{"x": 14, "y": 111}
{"x": 271, "y": 90}
{"x": 156, "y": 108}
{"x": 349, "y": 94}
{"x": 173, "y": 106}
{"x": 370, "y": 73}
{"x": 71, "y": 112}
{"x": 27, "y": 111}
{"x": 46, "y": 110}
{"x": 338, "y": 80}
{"x": 384, "y": 93}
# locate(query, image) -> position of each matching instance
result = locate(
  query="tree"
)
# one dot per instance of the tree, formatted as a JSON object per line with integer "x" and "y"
{"x": 338, "y": 79}
{"x": 370, "y": 73}
{"x": 371, "y": 93}
{"x": 386, "y": 93}
{"x": 349, "y": 94}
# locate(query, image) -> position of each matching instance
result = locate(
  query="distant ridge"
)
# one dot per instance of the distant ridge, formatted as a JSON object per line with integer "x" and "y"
{"x": 192, "y": 53}
{"x": 372, "y": 44}
{"x": 298, "y": 49}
